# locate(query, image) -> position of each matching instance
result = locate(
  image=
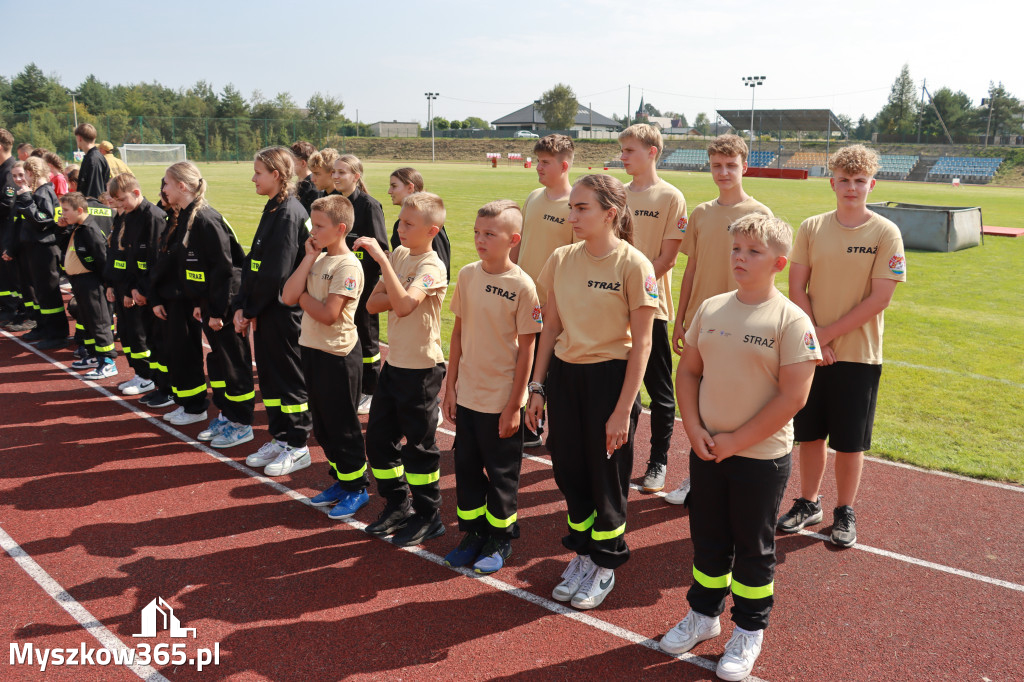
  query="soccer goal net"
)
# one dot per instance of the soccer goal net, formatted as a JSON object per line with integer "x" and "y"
{"x": 143, "y": 154}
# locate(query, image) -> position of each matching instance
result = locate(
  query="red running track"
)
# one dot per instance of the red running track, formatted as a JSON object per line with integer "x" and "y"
{"x": 115, "y": 509}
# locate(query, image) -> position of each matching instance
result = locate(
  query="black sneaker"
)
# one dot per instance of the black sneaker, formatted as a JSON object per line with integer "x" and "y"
{"x": 419, "y": 529}
{"x": 390, "y": 520}
{"x": 50, "y": 344}
{"x": 532, "y": 440}
{"x": 844, "y": 526}
{"x": 36, "y": 334}
{"x": 802, "y": 513}
{"x": 156, "y": 399}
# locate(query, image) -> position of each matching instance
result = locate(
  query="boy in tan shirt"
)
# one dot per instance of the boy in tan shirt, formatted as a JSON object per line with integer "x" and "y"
{"x": 846, "y": 264}
{"x": 746, "y": 369}
{"x": 659, "y": 217}
{"x": 327, "y": 287}
{"x": 410, "y": 291}
{"x": 545, "y": 221}
{"x": 497, "y": 318}
{"x": 707, "y": 244}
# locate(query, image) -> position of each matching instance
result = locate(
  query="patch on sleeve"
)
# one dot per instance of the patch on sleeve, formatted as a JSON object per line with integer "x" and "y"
{"x": 682, "y": 224}
{"x": 10, "y": 191}
{"x": 538, "y": 316}
{"x": 427, "y": 281}
{"x": 809, "y": 341}
{"x": 898, "y": 264}
{"x": 651, "y": 286}
{"x": 349, "y": 283}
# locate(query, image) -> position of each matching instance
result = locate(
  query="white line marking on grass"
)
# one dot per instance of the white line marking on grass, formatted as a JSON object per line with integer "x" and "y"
{"x": 953, "y": 372}
{"x": 51, "y": 587}
{"x": 945, "y": 474}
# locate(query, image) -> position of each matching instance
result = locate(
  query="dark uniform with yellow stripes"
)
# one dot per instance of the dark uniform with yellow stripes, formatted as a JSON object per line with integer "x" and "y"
{"x": 39, "y": 256}
{"x": 90, "y": 252}
{"x": 368, "y": 222}
{"x": 140, "y": 236}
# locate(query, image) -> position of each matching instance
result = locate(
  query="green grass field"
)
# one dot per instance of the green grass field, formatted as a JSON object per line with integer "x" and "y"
{"x": 953, "y": 382}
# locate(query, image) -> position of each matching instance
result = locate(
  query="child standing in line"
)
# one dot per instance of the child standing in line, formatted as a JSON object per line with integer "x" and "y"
{"x": 161, "y": 284}
{"x": 402, "y": 183}
{"x": 327, "y": 287}
{"x": 846, "y": 265}
{"x": 601, "y": 299}
{"x": 497, "y": 317}
{"x": 659, "y": 213}
{"x": 745, "y": 371}
{"x": 306, "y": 190}
{"x": 321, "y": 170}
{"x": 545, "y": 224}
{"x": 277, "y": 249}
{"x": 707, "y": 244}
{"x": 411, "y": 291}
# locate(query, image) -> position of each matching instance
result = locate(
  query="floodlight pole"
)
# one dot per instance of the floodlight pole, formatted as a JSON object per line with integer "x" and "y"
{"x": 752, "y": 82}
{"x": 431, "y": 96}
{"x": 74, "y": 106}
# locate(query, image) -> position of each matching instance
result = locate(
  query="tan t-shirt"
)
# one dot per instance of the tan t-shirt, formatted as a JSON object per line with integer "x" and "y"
{"x": 72, "y": 263}
{"x": 545, "y": 228}
{"x": 494, "y": 310}
{"x": 659, "y": 213}
{"x": 843, "y": 261}
{"x": 415, "y": 340}
{"x": 706, "y": 237}
{"x": 341, "y": 275}
{"x": 595, "y": 297}
{"x": 742, "y": 347}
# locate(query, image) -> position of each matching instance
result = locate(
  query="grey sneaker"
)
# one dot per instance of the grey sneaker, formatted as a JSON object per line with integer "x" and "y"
{"x": 594, "y": 589}
{"x": 654, "y": 479}
{"x": 573, "y": 576}
{"x": 689, "y": 632}
{"x": 844, "y": 527}
{"x": 802, "y": 513}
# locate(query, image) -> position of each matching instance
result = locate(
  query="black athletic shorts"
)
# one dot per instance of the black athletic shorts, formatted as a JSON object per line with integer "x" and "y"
{"x": 840, "y": 407}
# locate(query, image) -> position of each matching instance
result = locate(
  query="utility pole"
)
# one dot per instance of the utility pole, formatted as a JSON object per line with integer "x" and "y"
{"x": 431, "y": 96}
{"x": 920, "y": 111}
{"x": 74, "y": 106}
{"x": 988, "y": 128}
{"x": 752, "y": 82}
{"x": 629, "y": 104}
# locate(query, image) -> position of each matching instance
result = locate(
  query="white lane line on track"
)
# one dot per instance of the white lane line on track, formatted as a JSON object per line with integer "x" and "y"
{"x": 51, "y": 587}
{"x": 547, "y": 604}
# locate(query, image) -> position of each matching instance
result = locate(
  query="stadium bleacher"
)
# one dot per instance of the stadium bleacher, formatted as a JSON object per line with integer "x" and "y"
{"x": 805, "y": 160}
{"x": 896, "y": 166}
{"x": 760, "y": 159}
{"x": 686, "y": 158}
{"x": 967, "y": 168}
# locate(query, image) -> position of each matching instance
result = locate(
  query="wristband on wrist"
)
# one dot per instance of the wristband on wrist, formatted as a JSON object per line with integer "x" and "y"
{"x": 537, "y": 388}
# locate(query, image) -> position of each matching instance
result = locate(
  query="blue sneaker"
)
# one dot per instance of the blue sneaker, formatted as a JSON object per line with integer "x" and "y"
{"x": 467, "y": 551}
{"x": 104, "y": 370}
{"x": 214, "y": 429}
{"x": 349, "y": 504}
{"x": 232, "y": 434}
{"x": 493, "y": 555}
{"x": 328, "y": 497}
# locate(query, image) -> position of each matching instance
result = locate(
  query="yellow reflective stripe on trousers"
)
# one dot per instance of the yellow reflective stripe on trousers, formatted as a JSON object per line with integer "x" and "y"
{"x": 295, "y": 409}
{"x": 251, "y": 395}
{"x": 423, "y": 479}
{"x": 89, "y": 342}
{"x": 218, "y": 384}
{"x": 79, "y": 327}
{"x": 389, "y": 473}
{"x": 157, "y": 366}
{"x": 137, "y": 356}
{"x": 188, "y": 392}
{"x": 470, "y": 514}
{"x": 348, "y": 477}
{"x": 370, "y": 361}
{"x": 608, "y": 534}
{"x": 501, "y": 523}
{"x": 104, "y": 349}
{"x": 747, "y": 592}
{"x": 126, "y": 349}
{"x": 585, "y": 526}
{"x": 712, "y": 583}
{"x": 51, "y": 311}
{"x": 271, "y": 402}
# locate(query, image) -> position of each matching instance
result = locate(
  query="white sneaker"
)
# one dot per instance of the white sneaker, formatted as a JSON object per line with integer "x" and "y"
{"x": 689, "y": 632}
{"x": 741, "y": 652}
{"x": 572, "y": 577}
{"x": 679, "y": 495}
{"x": 131, "y": 382}
{"x": 174, "y": 413}
{"x": 291, "y": 459}
{"x": 594, "y": 589}
{"x": 186, "y": 418}
{"x": 143, "y": 386}
{"x": 364, "y": 404}
{"x": 266, "y": 454}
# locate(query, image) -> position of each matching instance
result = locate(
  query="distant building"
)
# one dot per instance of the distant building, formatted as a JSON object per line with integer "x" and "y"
{"x": 530, "y": 118}
{"x": 395, "y": 129}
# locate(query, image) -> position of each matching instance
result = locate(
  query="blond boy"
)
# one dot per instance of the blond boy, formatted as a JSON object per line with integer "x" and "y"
{"x": 659, "y": 217}
{"x": 846, "y": 264}
{"x": 497, "y": 317}
{"x": 411, "y": 290}
{"x": 745, "y": 371}
{"x": 707, "y": 243}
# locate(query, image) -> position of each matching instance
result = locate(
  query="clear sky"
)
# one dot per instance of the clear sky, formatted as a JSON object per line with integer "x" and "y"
{"x": 488, "y": 59}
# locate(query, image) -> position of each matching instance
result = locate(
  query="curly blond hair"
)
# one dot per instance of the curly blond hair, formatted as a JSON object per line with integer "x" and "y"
{"x": 855, "y": 160}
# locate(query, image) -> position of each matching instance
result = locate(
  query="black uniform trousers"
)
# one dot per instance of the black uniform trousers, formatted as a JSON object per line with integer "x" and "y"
{"x": 29, "y": 307}
{"x": 42, "y": 260}
{"x": 185, "y": 357}
{"x": 405, "y": 404}
{"x": 487, "y": 474}
{"x": 131, "y": 328}
{"x": 733, "y": 507}
{"x": 368, "y": 329}
{"x": 159, "y": 353}
{"x": 581, "y": 398}
{"x": 658, "y": 382}
{"x": 93, "y": 314}
{"x": 10, "y": 289}
{"x": 333, "y": 382}
{"x": 229, "y": 366}
{"x": 282, "y": 386}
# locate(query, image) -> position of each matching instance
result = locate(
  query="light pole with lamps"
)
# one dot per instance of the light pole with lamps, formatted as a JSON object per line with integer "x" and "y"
{"x": 431, "y": 96}
{"x": 752, "y": 82}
